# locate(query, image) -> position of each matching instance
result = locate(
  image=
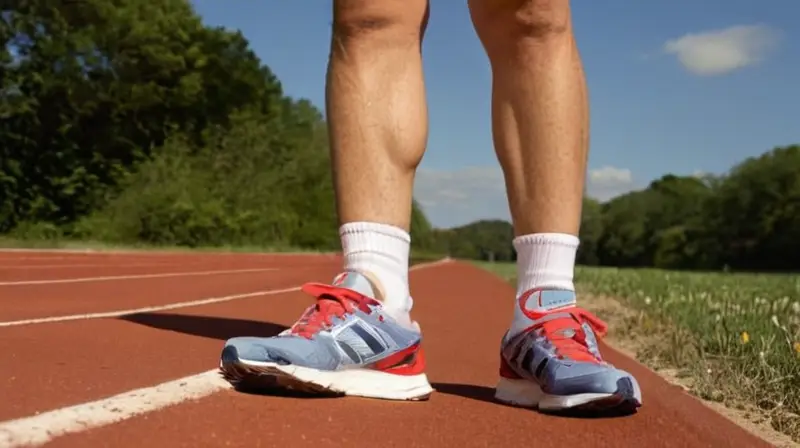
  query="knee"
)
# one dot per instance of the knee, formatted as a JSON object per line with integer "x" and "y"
{"x": 520, "y": 19}
{"x": 388, "y": 22}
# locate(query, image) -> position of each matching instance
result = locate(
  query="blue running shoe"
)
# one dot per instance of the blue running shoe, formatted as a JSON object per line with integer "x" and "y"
{"x": 344, "y": 344}
{"x": 550, "y": 360}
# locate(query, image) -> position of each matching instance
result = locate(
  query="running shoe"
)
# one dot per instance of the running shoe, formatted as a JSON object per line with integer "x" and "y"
{"x": 344, "y": 344}
{"x": 551, "y": 361}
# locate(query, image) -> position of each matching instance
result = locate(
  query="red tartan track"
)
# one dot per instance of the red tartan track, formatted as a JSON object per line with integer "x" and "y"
{"x": 68, "y": 370}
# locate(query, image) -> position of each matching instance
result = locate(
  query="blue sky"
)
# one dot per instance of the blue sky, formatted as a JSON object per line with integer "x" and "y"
{"x": 679, "y": 86}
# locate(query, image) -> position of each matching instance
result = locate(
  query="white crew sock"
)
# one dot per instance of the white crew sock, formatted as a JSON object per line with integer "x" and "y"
{"x": 381, "y": 250}
{"x": 545, "y": 260}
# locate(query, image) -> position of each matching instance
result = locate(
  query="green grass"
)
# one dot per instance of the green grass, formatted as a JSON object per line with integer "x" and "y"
{"x": 735, "y": 337}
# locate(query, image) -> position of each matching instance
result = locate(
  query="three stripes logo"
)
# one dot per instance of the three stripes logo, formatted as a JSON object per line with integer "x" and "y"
{"x": 525, "y": 357}
{"x": 360, "y": 342}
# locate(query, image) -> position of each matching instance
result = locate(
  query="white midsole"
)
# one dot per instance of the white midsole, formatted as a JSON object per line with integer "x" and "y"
{"x": 356, "y": 382}
{"x": 526, "y": 393}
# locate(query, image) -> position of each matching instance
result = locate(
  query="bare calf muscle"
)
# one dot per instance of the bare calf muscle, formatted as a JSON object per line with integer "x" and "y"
{"x": 539, "y": 110}
{"x": 376, "y": 107}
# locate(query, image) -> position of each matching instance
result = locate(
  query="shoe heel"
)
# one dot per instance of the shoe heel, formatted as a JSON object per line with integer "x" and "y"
{"x": 518, "y": 392}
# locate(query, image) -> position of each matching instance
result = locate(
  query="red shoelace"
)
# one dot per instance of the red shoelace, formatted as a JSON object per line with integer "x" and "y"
{"x": 332, "y": 302}
{"x": 567, "y": 334}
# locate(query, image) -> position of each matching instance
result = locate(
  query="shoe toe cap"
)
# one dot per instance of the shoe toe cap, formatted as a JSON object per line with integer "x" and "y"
{"x": 282, "y": 351}
{"x": 254, "y": 349}
{"x": 581, "y": 378}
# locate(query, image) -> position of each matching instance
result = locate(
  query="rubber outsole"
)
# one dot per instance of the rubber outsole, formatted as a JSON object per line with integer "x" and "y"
{"x": 249, "y": 377}
{"x": 268, "y": 378}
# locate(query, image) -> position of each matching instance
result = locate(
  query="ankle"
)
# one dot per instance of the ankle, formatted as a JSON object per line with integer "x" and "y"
{"x": 380, "y": 252}
{"x": 545, "y": 261}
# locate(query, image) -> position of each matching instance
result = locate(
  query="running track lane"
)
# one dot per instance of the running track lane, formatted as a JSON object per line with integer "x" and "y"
{"x": 463, "y": 312}
{"x": 86, "y": 360}
{"x": 26, "y": 268}
{"x": 123, "y": 290}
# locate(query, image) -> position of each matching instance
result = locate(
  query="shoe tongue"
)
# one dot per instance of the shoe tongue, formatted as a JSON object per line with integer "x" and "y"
{"x": 356, "y": 282}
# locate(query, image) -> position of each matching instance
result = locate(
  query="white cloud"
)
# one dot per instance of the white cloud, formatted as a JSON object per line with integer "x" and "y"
{"x": 608, "y": 181}
{"x": 721, "y": 51}
{"x": 452, "y": 198}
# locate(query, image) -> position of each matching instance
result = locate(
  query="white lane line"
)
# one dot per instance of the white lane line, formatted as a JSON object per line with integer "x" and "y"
{"x": 148, "y": 309}
{"x": 92, "y": 265}
{"x": 130, "y": 277}
{"x": 172, "y": 306}
{"x": 149, "y": 252}
{"x": 45, "y": 251}
{"x": 41, "y": 428}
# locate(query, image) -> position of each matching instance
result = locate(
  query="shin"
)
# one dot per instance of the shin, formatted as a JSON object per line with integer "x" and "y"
{"x": 540, "y": 129}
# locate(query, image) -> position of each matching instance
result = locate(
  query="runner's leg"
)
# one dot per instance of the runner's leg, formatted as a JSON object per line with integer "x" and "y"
{"x": 359, "y": 339}
{"x": 540, "y": 128}
{"x": 378, "y": 130}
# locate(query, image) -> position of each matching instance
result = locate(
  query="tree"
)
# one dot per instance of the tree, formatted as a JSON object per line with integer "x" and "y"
{"x": 97, "y": 85}
{"x": 590, "y": 232}
{"x": 481, "y": 240}
{"x": 756, "y": 211}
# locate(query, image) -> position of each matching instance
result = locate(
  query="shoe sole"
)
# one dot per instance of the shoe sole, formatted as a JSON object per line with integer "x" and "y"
{"x": 246, "y": 374}
{"x": 523, "y": 393}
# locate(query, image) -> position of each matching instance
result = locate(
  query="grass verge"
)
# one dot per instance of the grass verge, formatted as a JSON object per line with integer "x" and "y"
{"x": 732, "y": 339}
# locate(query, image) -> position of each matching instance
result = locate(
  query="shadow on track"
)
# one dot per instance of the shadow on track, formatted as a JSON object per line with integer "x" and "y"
{"x": 486, "y": 394}
{"x": 471, "y": 391}
{"x": 219, "y": 328}
{"x": 222, "y": 329}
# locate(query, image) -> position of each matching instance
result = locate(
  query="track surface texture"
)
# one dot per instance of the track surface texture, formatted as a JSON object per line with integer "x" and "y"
{"x": 120, "y": 350}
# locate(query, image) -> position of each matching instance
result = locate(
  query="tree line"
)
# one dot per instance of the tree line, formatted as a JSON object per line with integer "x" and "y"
{"x": 134, "y": 122}
{"x": 747, "y": 219}
{"x": 130, "y": 121}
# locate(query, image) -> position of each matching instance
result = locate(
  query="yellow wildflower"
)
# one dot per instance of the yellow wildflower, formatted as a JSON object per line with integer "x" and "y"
{"x": 744, "y": 337}
{"x": 797, "y": 347}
